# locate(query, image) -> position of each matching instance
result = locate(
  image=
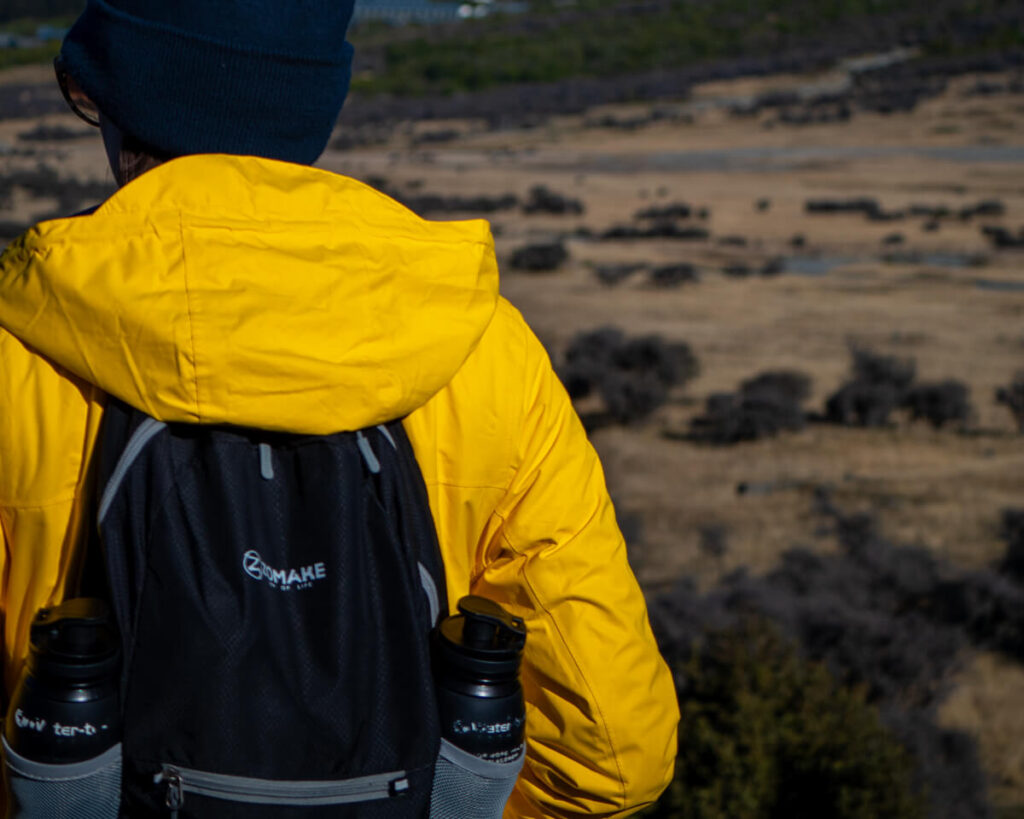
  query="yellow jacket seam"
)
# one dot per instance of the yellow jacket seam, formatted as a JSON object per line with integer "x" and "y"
{"x": 191, "y": 320}
{"x": 592, "y": 696}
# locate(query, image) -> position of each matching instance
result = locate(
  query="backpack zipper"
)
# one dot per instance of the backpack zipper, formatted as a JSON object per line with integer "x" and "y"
{"x": 180, "y": 781}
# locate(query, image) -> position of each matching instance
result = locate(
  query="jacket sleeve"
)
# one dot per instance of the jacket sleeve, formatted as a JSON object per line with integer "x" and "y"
{"x": 601, "y": 706}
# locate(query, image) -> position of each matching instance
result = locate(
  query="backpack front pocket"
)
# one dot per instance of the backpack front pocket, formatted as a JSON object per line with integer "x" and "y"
{"x": 180, "y": 782}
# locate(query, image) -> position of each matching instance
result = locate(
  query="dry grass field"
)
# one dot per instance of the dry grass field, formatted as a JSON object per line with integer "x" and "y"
{"x": 941, "y": 488}
{"x": 948, "y": 299}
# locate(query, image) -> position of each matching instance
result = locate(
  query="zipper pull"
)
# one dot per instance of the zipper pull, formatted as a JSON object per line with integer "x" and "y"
{"x": 175, "y": 793}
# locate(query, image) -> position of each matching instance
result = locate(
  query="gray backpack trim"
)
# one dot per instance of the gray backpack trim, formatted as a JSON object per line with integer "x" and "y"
{"x": 136, "y": 444}
{"x": 430, "y": 588}
{"x": 50, "y": 772}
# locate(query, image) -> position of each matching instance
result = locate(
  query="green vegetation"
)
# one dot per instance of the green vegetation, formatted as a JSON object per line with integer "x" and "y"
{"x": 27, "y": 26}
{"x": 606, "y": 38}
{"x": 609, "y": 38}
{"x": 766, "y": 734}
{"x": 28, "y": 56}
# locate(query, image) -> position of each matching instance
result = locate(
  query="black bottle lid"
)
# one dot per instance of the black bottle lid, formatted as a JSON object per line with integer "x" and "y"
{"x": 75, "y": 641}
{"x": 483, "y": 639}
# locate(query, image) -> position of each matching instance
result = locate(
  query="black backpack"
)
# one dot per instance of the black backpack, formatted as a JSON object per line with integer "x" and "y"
{"x": 274, "y": 594}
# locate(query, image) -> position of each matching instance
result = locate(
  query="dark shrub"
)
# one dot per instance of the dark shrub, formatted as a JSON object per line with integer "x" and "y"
{"x": 766, "y": 734}
{"x": 990, "y": 609}
{"x": 892, "y": 620}
{"x": 539, "y": 258}
{"x": 1013, "y": 532}
{"x": 669, "y": 363}
{"x": 764, "y": 406}
{"x": 631, "y": 396}
{"x": 1003, "y": 238}
{"x": 987, "y": 207}
{"x": 544, "y": 200}
{"x": 861, "y": 404}
{"x": 787, "y": 385}
{"x": 863, "y": 205}
{"x": 432, "y": 203}
{"x": 675, "y": 210}
{"x": 946, "y": 765}
{"x": 883, "y": 369}
{"x": 1013, "y": 396}
{"x": 939, "y": 403}
{"x": 587, "y": 359}
{"x": 633, "y": 376}
{"x": 673, "y": 275}
{"x": 657, "y": 230}
{"x": 731, "y": 418}
{"x": 879, "y": 386}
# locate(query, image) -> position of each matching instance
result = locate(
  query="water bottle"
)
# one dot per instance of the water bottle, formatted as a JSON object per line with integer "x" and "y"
{"x": 61, "y": 739}
{"x": 476, "y": 656}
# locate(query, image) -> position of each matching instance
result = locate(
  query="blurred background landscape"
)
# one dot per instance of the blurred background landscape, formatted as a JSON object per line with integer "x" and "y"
{"x": 776, "y": 253}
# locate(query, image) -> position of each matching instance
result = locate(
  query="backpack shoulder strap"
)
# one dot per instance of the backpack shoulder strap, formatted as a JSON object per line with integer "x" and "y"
{"x": 417, "y": 522}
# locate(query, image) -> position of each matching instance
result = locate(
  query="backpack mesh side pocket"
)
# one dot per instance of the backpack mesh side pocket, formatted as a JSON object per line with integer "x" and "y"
{"x": 80, "y": 790}
{"x": 467, "y": 787}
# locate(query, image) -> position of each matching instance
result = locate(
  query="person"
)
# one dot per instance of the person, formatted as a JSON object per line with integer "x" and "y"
{"x": 228, "y": 281}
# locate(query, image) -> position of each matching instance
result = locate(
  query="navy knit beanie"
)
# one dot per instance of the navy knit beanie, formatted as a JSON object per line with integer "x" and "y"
{"x": 258, "y": 77}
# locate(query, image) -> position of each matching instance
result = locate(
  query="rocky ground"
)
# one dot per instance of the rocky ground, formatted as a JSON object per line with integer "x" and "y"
{"x": 766, "y": 233}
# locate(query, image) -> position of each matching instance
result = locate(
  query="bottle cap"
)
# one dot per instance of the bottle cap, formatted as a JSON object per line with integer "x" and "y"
{"x": 483, "y": 639}
{"x": 74, "y": 641}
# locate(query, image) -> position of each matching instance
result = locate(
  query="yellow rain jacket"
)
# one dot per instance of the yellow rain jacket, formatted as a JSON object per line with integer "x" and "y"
{"x": 244, "y": 291}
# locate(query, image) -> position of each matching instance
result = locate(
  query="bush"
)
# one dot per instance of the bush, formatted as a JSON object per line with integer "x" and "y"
{"x": 673, "y": 275}
{"x": 1013, "y": 532}
{"x": 939, "y": 403}
{"x": 1013, "y": 396}
{"x": 539, "y": 258}
{"x": 544, "y": 200}
{"x": 633, "y": 376}
{"x": 879, "y": 385}
{"x": 764, "y": 406}
{"x": 891, "y": 621}
{"x": 765, "y": 733}
{"x": 873, "y": 368}
{"x": 860, "y": 404}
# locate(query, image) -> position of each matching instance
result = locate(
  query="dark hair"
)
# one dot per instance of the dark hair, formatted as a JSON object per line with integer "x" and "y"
{"x": 135, "y": 158}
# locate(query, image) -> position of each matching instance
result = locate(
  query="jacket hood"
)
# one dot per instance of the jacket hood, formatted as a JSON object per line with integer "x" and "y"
{"x": 239, "y": 290}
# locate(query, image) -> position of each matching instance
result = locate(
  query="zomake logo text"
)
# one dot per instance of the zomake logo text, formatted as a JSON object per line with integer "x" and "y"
{"x": 302, "y": 577}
